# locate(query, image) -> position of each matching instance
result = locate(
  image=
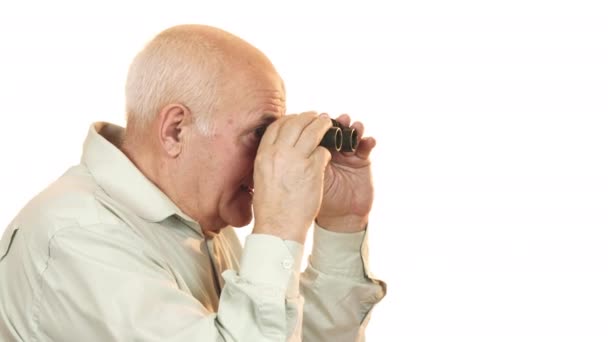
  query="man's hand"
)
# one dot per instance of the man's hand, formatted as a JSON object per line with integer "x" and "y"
{"x": 288, "y": 175}
{"x": 348, "y": 190}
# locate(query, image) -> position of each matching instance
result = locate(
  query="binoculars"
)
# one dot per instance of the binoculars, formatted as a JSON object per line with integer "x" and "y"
{"x": 340, "y": 138}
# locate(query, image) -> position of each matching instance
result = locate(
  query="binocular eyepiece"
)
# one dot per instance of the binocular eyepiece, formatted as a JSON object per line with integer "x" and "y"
{"x": 340, "y": 138}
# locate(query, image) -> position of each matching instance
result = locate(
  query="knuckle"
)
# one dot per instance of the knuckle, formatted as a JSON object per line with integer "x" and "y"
{"x": 327, "y": 121}
{"x": 324, "y": 120}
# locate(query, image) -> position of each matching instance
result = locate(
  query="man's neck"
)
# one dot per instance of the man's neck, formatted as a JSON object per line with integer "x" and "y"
{"x": 140, "y": 158}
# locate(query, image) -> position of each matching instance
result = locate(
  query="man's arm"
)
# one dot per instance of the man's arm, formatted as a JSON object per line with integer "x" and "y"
{"x": 337, "y": 285}
{"x": 100, "y": 284}
{"x": 339, "y": 289}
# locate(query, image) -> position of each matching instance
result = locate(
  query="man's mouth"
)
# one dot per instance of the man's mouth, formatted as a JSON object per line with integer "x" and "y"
{"x": 247, "y": 188}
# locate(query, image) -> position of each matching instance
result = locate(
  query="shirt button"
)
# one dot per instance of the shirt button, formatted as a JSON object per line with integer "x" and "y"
{"x": 287, "y": 264}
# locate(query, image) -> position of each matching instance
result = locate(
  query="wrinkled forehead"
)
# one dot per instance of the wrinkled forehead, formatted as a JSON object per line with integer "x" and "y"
{"x": 250, "y": 94}
{"x": 259, "y": 101}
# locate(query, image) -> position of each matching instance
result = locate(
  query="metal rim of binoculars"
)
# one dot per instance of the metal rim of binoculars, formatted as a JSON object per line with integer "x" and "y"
{"x": 340, "y": 138}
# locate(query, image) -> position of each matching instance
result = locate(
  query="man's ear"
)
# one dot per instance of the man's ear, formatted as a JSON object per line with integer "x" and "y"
{"x": 173, "y": 118}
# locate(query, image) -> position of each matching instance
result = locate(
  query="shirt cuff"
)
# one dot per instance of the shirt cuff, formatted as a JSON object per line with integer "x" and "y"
{"x": 339, "y": 253}
{"x": 270, "y": 260}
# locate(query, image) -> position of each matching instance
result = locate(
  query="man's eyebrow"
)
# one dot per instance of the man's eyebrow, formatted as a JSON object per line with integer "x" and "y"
{"x": 268, "y": 118}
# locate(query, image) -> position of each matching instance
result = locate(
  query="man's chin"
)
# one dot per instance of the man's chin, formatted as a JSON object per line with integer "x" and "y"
{"x": 241, "y": 214}
{"x": 237, "y": 211}
{"x": 241, "y": 221}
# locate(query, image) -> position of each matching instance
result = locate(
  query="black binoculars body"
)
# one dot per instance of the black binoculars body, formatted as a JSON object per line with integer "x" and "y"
{"x": 340, "y": 138}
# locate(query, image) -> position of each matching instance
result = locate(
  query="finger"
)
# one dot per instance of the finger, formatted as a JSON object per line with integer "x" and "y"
{"x": 312, "y": 135}
{"x": 344, "y": 119}
{"x": 272, "y": 131}
{"x": 289, "y": 133}
{"x": 365, "y": 147}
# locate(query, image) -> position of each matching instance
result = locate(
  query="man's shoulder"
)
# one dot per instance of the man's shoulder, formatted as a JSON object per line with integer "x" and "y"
{"x": 71, "y": 201}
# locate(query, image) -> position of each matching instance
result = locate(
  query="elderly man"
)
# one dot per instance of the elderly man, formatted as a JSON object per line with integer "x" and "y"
{"x": 136, "y": 243}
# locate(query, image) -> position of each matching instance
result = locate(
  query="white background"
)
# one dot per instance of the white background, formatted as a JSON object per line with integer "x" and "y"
{"x": 491, "y": 214}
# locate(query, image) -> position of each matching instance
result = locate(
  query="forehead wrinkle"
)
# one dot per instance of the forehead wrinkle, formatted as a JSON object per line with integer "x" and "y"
{"x": 273, "y": 103}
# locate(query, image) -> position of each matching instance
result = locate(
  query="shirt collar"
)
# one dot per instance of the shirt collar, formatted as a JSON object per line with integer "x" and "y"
{"x": 122, "y": 180}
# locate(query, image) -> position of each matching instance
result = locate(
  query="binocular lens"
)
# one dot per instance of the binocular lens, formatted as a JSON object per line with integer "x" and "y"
{"x": 349, "y": 140}
{"x": 340, "y": 138}
{"x": 333, "y": 139}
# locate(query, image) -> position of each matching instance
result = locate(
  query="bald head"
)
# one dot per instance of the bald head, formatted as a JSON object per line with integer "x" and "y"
{"x": 193, "y": 65}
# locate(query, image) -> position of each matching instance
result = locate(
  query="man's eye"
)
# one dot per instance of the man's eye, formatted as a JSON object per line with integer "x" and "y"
{"x": 259, "y": 132}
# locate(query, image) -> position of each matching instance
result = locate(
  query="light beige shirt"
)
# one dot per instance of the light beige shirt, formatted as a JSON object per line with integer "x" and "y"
{"x": 103, "y": 255}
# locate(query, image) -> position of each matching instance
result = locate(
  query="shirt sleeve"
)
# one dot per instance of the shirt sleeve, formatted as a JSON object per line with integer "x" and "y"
{"x": 100, "y": 287}
{"x": 338, "y": 288}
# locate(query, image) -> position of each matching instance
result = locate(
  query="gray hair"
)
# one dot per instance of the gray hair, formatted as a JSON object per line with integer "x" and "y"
{"x": 177, "y": 66}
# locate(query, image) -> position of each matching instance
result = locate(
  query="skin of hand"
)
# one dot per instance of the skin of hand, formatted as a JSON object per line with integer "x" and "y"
{"x": 289, "y": 173}
{"x": 348, "y": 191}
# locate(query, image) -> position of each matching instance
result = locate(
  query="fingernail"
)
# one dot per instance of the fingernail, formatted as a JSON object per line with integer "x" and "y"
{"x": 323, "y": 115}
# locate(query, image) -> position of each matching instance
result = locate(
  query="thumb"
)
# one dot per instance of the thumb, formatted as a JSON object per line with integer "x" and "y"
{"x": 365, "y": 147}
{"x": 321, "y": 156}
